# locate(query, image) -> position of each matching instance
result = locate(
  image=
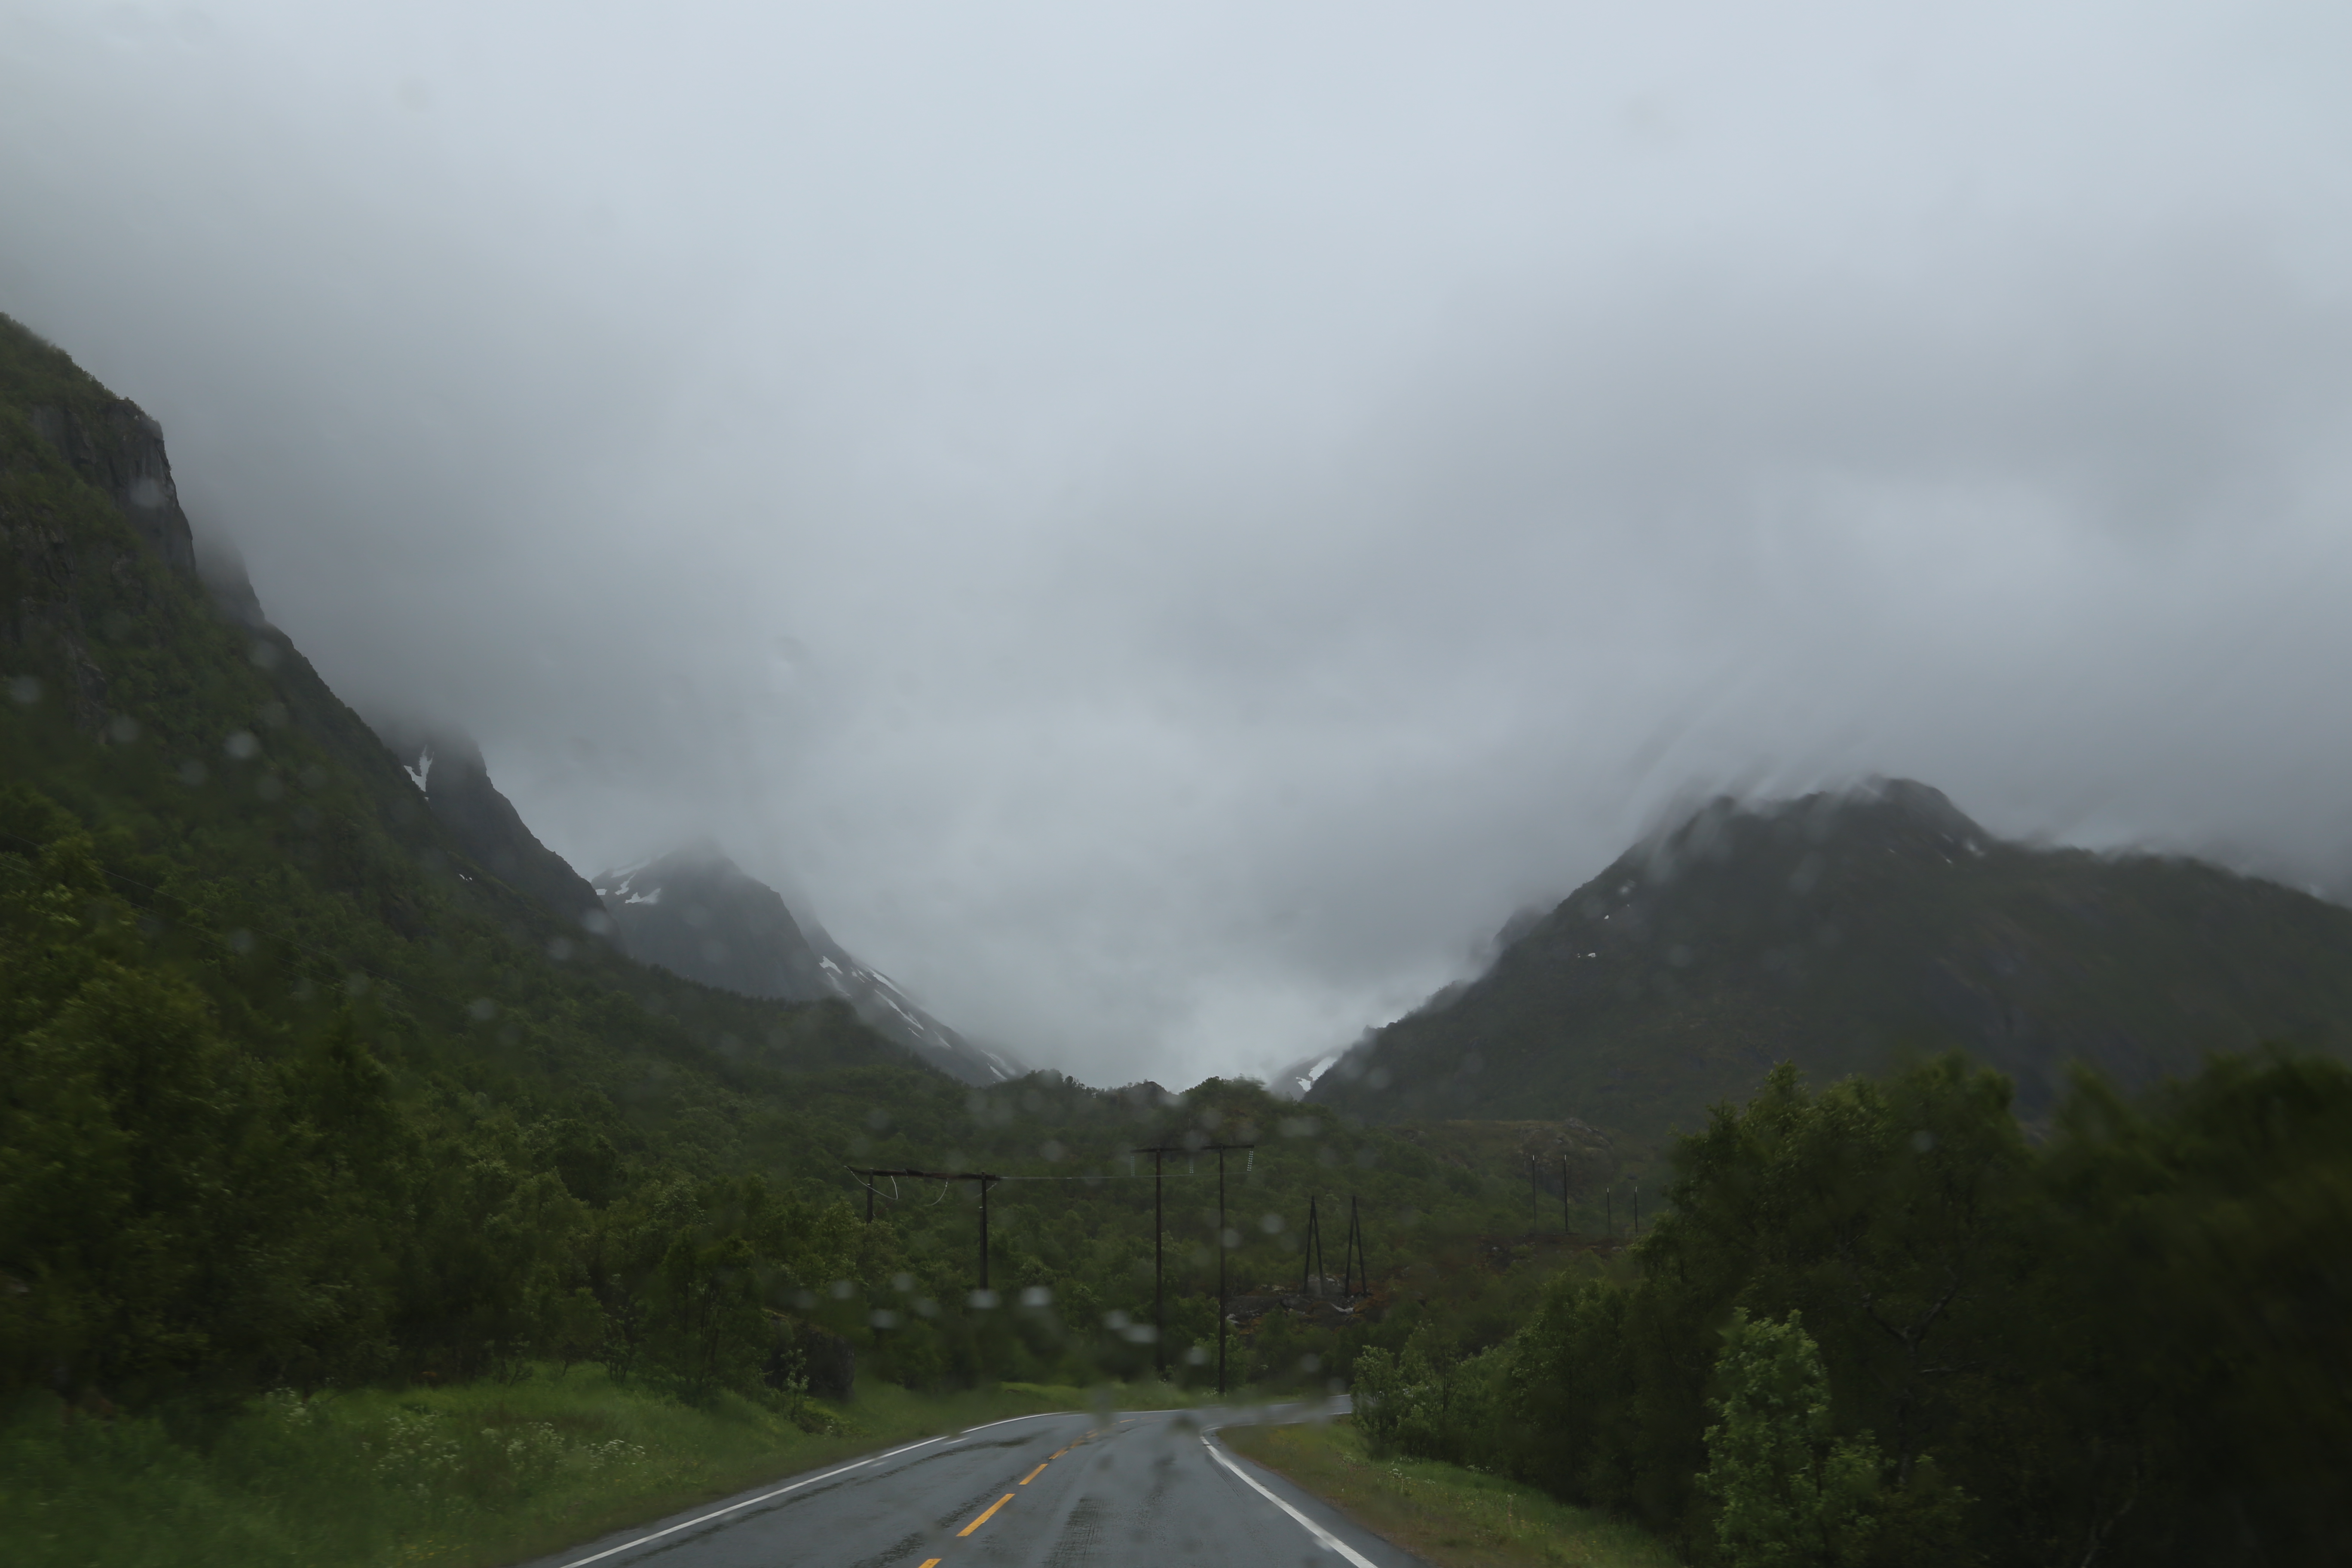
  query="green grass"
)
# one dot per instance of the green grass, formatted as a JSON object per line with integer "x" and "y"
{"x": 478, "y": 1475}
{"x": 1452, "y": 1517}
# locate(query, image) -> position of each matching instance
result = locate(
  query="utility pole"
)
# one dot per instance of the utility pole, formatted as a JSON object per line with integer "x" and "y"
{"x": 986, "y": 1179}
{"x": 1563, "y": 1196}
{"x": 1637, "y": 1211}
{"x": 1531, "y": 1192}
{"x": 1221, "y": 1148}
{"x": 1221, "y": 1269}
{"x": 1352, "y": 1253}
{"x": 1313, "y": 1264}
{"x": 1159, "y": 1263}
{"x": 1609, "y": 1208}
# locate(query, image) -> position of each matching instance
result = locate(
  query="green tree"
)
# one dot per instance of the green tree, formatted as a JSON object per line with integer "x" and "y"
{"x": 1790, "y": 1493}
{"x": 2198, "y": 1336}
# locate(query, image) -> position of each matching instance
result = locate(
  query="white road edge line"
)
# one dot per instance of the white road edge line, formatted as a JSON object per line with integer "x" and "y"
{"x": 1322, "y": 1536}
{"x": 746, "y": 1502}
{"x": 1008, "y": 1420}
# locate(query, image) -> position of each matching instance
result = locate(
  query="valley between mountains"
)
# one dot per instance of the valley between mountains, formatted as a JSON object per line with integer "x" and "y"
{"x": 325, "y": 1079}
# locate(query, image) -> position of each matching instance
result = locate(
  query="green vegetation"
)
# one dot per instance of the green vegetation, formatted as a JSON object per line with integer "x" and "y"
{"x": 1787, "y": 1489}
{"x": 295, "y": 1094}
{"x": 330, "y": 1160}
{"x": 486, "y": 1473}
{"x": 212, "y": 1184}
{"x": 1443, "y": 1514}
{"x": 1841, "y": 932}
{"x": 2127, "y": 1345}
{"x": 299, "y": 1101}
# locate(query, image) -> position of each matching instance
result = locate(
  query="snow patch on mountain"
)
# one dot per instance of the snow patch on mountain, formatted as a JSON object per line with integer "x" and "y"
{"x": 698, "y": 914}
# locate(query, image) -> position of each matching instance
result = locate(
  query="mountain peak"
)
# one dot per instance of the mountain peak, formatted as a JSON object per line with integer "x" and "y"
{"x": 1902, "y": 815}
{"x": 1837, "y": 928}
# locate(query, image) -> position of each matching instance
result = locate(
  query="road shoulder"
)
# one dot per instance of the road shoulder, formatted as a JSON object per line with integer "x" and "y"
{"x": 618, "y": 1546}
{"x": 1447, "y": 1516}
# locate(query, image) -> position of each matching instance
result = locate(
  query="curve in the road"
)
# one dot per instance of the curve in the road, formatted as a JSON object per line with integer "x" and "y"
{"x": 1055, "y": 1491}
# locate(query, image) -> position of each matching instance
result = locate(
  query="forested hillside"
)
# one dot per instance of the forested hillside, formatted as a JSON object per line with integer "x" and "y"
{"x": 1875, "y": 1325}
{"x": 294, "y": 1091}
{"x": 1842, "y": 932}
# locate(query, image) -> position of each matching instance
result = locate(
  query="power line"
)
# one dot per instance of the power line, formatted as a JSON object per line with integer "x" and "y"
{"x": 986, "y": 1179}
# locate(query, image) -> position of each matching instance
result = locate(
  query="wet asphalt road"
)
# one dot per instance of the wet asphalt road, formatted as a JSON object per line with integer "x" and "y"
{"x": 1054, "y": 1491}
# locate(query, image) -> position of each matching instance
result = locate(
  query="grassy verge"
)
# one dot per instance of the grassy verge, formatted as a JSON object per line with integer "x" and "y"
{"x": 465, "y": 1476}
{"x": 1453, "y": 1516}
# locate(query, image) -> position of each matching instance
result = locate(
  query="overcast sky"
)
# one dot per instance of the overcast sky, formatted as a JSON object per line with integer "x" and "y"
{"x": 1165, "y": 524}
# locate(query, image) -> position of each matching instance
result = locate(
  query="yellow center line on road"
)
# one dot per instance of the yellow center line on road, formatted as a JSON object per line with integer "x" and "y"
{"x": 930, "y": 1562}
{"x": 1034, "y": 1474}
{"x": 984, "y": 1517}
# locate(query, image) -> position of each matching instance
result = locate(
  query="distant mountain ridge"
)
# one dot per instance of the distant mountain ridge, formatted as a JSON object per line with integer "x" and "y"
{"x": 697, "y": 913}
{"x": 1839, "y": 930}
{"x": 694, "y": 911}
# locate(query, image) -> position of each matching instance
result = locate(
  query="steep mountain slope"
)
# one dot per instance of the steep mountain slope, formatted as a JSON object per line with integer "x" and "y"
{"x": 301, "y": 1085}
{"x": 293, "y": 1089}
{"x": 1837, "y": 932}
{"x": 446, "y": 767}
{"x": 166, "y": 713}
{"x": 698, "y": 914}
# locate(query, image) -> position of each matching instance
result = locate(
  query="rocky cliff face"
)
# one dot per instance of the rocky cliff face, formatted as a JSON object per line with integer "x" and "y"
{"x": 113, "y": 444}
{"x": 89, "y": 517}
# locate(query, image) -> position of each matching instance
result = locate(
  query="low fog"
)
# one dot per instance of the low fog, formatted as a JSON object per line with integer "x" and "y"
{"x": 1163, "y": 526}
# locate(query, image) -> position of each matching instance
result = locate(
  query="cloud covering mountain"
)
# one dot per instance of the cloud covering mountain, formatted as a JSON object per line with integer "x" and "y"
{"x": 1165, "y": 524}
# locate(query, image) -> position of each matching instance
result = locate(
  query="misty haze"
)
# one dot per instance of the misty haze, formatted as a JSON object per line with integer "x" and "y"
{"x": 1515, "y": 784}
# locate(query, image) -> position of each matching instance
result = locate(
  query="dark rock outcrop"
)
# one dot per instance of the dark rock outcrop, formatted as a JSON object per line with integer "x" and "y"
{"x": 116, "y": 447}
